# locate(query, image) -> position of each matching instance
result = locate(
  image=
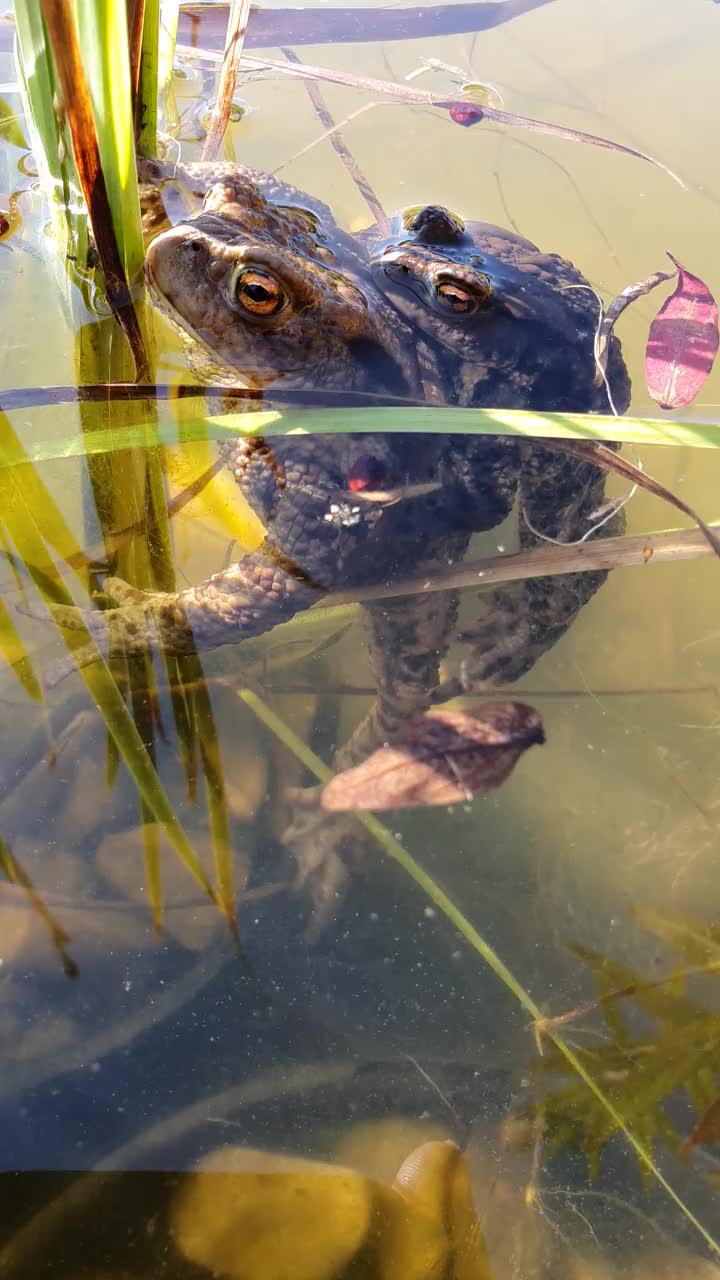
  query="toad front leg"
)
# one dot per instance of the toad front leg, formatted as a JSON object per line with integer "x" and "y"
{"x": 246, "y": 600}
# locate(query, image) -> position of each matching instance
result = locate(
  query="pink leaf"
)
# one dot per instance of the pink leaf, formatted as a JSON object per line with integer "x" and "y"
{"x": 682, "y": 343}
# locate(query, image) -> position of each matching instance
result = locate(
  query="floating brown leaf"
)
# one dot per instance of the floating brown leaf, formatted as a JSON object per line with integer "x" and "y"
{"x": 682, "y": 343}
{"x": 443, "y": 757}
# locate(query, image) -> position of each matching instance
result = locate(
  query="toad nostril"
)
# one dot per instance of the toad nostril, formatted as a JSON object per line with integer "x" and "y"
{"x": 195, "y": 246}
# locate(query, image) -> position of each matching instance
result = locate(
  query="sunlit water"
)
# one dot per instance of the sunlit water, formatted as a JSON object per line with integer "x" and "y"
{"x": 161, "y": 1050}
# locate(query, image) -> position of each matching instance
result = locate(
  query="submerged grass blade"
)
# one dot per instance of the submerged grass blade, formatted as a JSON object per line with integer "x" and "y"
{"x": 153, "y": 872}
{"x": 444, "y": 903}
{"x": 15, "y": 654}
{"x": 59, "y": 938}
{"x": 214, "y": 790}
{"x": 31, "y": 517}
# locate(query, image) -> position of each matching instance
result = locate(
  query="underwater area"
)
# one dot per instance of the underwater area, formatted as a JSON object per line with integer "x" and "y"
{"x": 452, "y": 1013}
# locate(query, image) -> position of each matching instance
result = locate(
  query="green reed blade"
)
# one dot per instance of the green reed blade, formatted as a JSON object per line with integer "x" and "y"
{"x": 102, "y": 28}
{"x": 146, "y": 106}
{"x": 41, "y": 88}
{"x": 169, "y": 115}
{"x": 444, "y": 903}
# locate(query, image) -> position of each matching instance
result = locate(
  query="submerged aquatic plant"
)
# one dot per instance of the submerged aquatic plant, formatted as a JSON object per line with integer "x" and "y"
{"x": 640, "y": 1071}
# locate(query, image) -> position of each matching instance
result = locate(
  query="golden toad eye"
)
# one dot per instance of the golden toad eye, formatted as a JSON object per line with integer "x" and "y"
{"x": 259, "y": 293}
{"x": 454, "y": 298}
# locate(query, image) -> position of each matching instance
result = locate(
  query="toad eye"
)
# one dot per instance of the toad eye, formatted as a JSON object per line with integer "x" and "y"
{"x": 258, "y": 292}
{"x": 452, "y": 297}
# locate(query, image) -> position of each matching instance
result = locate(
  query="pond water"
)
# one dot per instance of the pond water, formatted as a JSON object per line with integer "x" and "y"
{"x": 130, "y": 1055}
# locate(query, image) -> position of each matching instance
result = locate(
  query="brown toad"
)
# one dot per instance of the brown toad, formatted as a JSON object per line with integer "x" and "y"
{"x": 266, "y": 288}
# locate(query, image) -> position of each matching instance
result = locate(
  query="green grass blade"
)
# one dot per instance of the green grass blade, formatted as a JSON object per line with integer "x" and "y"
{"x": 434, "y": 420}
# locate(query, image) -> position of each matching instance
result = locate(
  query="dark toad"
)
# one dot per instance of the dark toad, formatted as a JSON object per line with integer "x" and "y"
{"x": 512, "y": 328}
{"x": 515, "y": 326}
{"x": 250, "y": 283}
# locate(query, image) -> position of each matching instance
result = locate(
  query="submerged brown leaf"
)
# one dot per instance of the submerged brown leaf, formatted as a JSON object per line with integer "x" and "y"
{"x": 444, "y": 757}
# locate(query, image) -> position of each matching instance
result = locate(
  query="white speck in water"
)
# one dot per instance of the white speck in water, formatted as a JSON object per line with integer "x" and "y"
{"x": 374, "y": 916}
{"x": 451, "y": 561}
{"x": 456, "y": 955}
{"x": 429, "y": 913}
{"x": 127, "y": 985}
